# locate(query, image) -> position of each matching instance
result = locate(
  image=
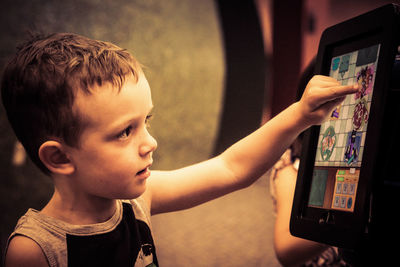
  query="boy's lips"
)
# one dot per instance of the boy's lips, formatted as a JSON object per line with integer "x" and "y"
{"x": 144, "y": 173}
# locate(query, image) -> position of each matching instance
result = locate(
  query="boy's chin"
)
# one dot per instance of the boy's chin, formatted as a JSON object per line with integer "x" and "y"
{"x": 132, "y": 195}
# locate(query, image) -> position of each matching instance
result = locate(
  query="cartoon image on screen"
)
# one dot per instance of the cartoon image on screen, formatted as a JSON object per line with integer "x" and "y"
{"x": 341, "y": 138}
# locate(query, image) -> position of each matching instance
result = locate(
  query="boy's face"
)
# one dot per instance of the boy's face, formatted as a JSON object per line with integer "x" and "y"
{"x": 116, "y": 148}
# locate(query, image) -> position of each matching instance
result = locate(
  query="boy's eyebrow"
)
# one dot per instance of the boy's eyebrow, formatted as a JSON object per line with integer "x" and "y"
{"x": 124, "y": 122}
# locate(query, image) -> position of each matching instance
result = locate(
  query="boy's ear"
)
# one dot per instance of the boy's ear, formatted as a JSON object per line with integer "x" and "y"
{"x": 53, "y": 156}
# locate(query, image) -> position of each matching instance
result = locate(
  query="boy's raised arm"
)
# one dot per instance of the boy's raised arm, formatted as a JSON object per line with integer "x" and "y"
{"x": 245, "y": 161}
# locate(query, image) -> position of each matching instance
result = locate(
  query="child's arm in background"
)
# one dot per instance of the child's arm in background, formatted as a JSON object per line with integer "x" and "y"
{"x": 245, "y": 161}
{"x": 290, "y": 250}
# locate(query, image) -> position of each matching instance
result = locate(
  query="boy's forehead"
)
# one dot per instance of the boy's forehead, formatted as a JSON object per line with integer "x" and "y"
{"x": 108, "y": 100}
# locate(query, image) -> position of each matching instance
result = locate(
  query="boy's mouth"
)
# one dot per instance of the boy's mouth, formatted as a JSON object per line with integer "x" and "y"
{"x": 142, "y": 171}
{"x": 145, "y": 173}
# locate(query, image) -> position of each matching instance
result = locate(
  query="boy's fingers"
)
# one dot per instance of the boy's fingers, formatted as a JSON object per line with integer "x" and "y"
{"x": 346, "y": 89}
{"x": 326, "y": 83}
{"x": 338, "y": 91}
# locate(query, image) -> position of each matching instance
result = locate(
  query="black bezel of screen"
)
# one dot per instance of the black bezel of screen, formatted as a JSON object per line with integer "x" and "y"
{"x": 336, "y": 227}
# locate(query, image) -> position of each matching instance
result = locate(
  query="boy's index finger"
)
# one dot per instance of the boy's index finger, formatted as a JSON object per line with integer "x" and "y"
{"x": 343, "y": 90}
{"x": 339, "y": 91}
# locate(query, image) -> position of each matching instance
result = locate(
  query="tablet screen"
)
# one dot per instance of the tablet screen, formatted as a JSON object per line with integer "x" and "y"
{"x": 341, "y": 138}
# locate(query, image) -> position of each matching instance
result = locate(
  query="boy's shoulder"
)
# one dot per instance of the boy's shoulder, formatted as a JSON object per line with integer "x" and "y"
{"x": 23, "y": 251}
{"x": 41, "y": 239}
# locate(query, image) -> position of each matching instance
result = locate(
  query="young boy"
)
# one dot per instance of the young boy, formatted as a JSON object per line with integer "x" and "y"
{"x": 80, "y": 107}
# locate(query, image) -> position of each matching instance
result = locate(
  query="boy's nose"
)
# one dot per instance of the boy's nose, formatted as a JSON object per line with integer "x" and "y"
{"x": 148, "y": 146}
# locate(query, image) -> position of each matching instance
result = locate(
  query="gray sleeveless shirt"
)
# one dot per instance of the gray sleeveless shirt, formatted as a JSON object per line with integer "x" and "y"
{"x": 123, "y": 240}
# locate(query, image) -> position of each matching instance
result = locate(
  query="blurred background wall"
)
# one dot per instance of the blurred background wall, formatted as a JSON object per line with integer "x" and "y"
{"x": 178, "y": 42}
{"x": 183, "y": 45}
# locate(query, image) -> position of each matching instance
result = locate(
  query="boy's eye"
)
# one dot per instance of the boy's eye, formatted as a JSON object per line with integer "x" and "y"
{"x": 128, "y": 131}
{"x": 125, "y": 133}
{"x": 148, "y": 119}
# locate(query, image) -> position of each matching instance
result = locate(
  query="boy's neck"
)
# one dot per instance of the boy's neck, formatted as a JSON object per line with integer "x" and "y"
{"x": 80, "y": 212}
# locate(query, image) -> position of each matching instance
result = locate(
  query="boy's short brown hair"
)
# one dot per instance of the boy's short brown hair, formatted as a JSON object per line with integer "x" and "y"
{"x": 39, "y": 85}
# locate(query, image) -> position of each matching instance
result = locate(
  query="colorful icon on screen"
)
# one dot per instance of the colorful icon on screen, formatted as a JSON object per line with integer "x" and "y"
{"x": 344, "y": 65}
{"x": 352, "y": 147}
{"x": 335, "y": 63}
{"x": 360, "y": 116}
{"x": 328, "y": 143}
{"x": 365, "y": 78}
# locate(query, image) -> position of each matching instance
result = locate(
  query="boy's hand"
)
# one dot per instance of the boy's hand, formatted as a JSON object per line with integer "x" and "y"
{"x": 321, "y": 96}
